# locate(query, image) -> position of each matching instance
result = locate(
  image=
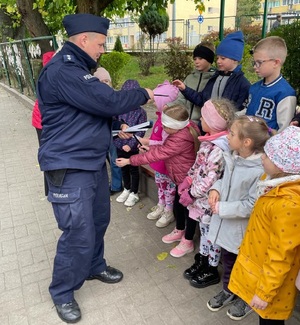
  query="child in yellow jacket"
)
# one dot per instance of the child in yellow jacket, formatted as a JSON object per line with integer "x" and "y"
{"x": 268, "y": 262}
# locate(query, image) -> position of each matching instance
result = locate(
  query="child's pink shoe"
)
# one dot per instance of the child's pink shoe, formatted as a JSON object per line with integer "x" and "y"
{"x": 184, "y": 247}
{"x": 175, "y": 235}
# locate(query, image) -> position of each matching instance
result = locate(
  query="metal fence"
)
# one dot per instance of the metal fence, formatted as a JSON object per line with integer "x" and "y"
{"x": 21, "y": 62}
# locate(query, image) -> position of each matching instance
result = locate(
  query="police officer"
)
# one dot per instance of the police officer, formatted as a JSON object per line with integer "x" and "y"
{"x": 76, "y": 115}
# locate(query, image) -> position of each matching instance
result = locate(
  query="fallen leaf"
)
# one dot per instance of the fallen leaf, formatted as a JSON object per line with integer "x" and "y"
{"x": 162, "y": 256}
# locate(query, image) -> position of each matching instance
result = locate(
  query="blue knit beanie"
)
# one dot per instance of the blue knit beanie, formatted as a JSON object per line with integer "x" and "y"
{"x": 232, "y": 46}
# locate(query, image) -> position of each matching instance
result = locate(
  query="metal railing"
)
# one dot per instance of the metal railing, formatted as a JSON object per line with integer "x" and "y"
{"x": 21, "y": 62}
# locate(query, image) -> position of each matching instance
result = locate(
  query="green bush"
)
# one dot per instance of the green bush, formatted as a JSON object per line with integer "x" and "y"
{"x": 291, "y": 34}
{"x": 114, "y": 62}
{"x": 145, "y": 61}
{"x": 178, "y": 63}
{"x": 118, "y": 45}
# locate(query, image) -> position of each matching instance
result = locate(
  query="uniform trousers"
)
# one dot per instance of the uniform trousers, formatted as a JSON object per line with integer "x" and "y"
{"x": 81, "y": 206}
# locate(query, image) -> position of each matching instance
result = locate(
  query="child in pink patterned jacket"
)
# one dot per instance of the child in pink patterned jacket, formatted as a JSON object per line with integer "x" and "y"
{"x": 163, "y": 211}
{"x": 208, "y": 167}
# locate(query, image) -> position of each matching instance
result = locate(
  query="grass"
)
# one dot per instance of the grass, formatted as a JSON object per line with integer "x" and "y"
{"x": 158, "y": 76}
{"x": 132, "y": 71}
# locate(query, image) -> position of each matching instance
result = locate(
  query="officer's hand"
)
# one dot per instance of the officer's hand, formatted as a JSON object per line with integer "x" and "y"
{"x": 151, "y": 95}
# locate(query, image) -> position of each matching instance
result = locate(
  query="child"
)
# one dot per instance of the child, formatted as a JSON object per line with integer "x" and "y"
{"x": 128, "y": 147}
{"x": 178, "y": 151}
{"x": 163, "y": 211}
{"x": 116, "y": 173}
{"x": 37, "y": 118}
{"x": 232, "y": 198}
{"x": 203, "y": 56}
{"x": 228, "y": 81}
{"x": 271, "y": 98}
{"x": 269, "y": 257}
{"x": 217, "y": 116}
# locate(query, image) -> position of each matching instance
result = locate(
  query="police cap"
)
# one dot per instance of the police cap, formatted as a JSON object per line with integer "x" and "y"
{"x": 80, "y": 23}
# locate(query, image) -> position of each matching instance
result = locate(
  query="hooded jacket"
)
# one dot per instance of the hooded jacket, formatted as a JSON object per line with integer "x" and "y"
{"x": 177, "y": 151}
{"x": 269, "y": 256}
{"x": 237, "y": 191}
{"x": 36, "y": 114}
{"x": 196, "y": 80}
{"x": 236, "y": 90}
{"x": 207, "y": 169}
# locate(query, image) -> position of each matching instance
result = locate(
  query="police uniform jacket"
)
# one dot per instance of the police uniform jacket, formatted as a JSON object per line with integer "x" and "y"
{"x": 76, "y": 111}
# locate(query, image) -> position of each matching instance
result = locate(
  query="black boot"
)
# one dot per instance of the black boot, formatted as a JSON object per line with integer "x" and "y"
{"x": 206, "y": 278}
{"x": 201, "y": 262}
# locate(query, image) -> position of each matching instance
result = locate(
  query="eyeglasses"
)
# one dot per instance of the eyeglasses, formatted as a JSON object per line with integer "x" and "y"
{"x": 257, "y": 64}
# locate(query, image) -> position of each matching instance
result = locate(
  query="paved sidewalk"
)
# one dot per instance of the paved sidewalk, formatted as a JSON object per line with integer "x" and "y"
{"x": 153, "y": 291}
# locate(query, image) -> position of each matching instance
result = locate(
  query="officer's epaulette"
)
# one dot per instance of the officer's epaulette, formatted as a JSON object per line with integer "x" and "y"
{"x": 68, "y": 58}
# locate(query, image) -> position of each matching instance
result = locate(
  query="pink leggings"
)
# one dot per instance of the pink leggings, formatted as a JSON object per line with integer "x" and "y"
{"x": 166, "y": 190}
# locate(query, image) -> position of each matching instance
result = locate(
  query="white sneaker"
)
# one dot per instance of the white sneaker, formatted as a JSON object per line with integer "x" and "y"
{"x": 131, "y": 200}
{"x": 166, "y": 218}
{"x": 123, "y": 196}
{"x": 156, "y": 212}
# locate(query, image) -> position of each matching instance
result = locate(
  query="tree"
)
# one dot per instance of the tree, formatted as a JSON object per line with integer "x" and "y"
{"x": 177, "y": 63}
{"x": 118, "y": 45}
{"x": 153, "y": 22}
{"x": 6, "y": 32}
{"x": 44, "y": 17}
{"x": 246, "y": 11}
{"x": 290, "y": 70}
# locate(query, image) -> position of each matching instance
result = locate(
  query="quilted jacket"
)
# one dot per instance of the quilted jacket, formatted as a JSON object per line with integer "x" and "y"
{"x": 177, "y": 152}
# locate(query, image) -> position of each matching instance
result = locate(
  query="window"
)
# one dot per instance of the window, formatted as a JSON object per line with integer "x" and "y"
{"x": 273, "y": 4}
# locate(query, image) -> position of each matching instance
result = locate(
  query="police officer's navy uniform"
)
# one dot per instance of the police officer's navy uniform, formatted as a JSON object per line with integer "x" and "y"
{"x": 76, "y": 115}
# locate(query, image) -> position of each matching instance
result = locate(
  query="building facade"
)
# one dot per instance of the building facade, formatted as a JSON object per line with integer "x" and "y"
{"x": 289, "y": 10}
{"x": 185, "y": 22}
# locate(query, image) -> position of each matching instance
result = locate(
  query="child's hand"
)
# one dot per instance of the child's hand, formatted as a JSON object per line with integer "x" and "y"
{"x": 144, "y": 141}
{"x": 124, "y": 135}
{"x": 121, "y": 162}
{"x": 258, "y": 303}
{"x": 143, "y": 148}
{"x": 126, "y": 148}
{"x": 295, "y": 123}
{"x": 213, "y": 198}
{"x": 179, "y": 84}
{"x": 186, "y": 184}
{"x": 186, "y": 199}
